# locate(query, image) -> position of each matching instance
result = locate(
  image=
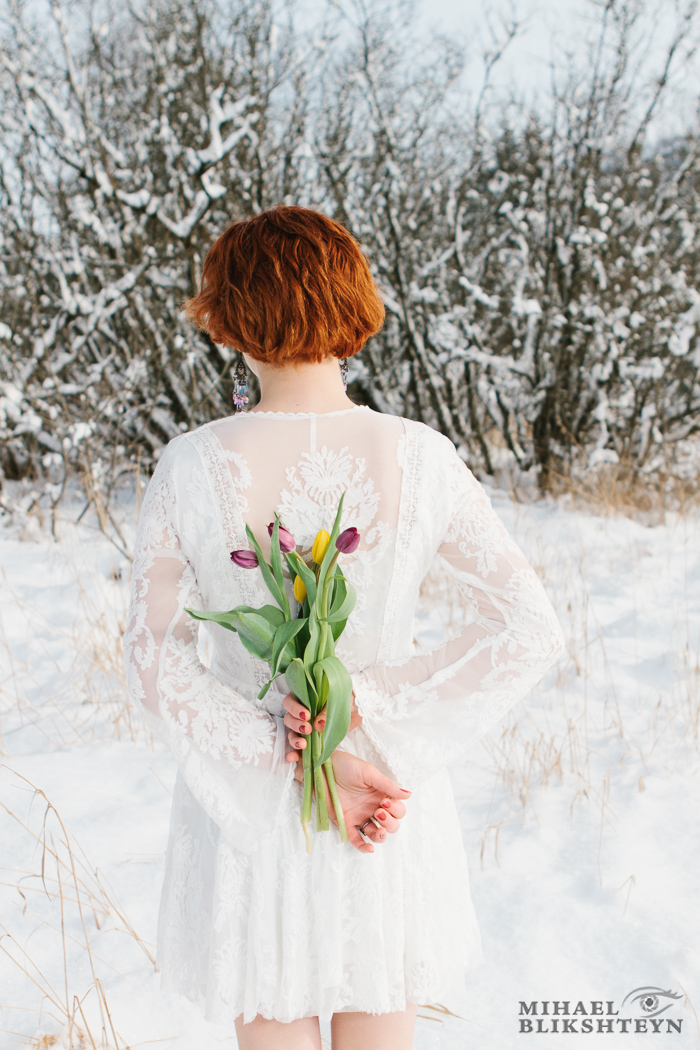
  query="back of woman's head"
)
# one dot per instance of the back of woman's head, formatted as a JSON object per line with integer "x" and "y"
{"x": 289, "y": 284}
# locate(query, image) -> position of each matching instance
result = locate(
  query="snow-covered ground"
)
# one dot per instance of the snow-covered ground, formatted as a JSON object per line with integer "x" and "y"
{"x": 579, "y": 811}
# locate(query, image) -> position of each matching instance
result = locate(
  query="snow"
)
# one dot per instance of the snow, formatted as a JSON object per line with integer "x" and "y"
{"x": 578, "y": 811}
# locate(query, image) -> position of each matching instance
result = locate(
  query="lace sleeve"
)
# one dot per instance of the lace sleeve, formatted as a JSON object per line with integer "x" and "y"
{"x": 423, "y": 712}
{"x": 231, "y": 753}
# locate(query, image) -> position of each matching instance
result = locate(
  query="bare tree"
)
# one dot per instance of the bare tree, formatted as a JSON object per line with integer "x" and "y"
{"x": 539, "y": 263}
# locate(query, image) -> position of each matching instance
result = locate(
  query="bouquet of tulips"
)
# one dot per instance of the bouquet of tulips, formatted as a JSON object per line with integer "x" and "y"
{"x": 302, "y": 645}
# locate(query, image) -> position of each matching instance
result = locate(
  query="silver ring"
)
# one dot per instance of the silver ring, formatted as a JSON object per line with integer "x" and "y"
{"x": 370, "y": 820}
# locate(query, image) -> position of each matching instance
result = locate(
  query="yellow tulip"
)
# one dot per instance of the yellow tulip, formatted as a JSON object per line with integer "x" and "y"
{"x": 320, "y": 546}
{"x": 299, "y": 589}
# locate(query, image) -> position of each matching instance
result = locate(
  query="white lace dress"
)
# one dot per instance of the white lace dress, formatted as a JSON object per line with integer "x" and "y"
{"x": 250, "y": 922}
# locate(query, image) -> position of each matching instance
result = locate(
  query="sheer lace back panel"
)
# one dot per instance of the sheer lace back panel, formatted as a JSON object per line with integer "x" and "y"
{"x": 300, "y": 466}
{"x": 412, "y": 499}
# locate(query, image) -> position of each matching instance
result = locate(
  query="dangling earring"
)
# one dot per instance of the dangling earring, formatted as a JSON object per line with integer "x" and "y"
{"x": 240, "y": 385}
{"x": 344, "y": 372}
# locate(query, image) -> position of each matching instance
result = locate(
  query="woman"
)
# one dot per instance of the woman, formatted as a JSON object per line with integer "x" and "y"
{"x": 263, "y": 933}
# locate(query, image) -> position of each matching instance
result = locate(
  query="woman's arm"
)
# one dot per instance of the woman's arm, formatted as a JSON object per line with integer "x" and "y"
{"x": 230, "y": 752}
{"x": 424, "y": 711}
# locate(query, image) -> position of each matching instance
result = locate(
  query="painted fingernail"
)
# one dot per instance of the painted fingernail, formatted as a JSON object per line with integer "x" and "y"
{"x": 382, "y": 835}
{"x": 304, "y": 714}
{"x": 405, "y": 791}
{"x": 381, "y": 814}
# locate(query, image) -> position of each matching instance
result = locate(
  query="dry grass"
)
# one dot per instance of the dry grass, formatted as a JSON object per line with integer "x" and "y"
{"x": 81, "y": 906}
{"x": 70, "y": 684}
{"x": 554, "y": 739}
{"x": 578, "y": 728}
{"x": 71, "y": 903}
{"x": 619, "y": 489}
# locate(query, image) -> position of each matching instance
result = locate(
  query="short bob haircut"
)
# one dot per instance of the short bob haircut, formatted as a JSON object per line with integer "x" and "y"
{"x": 289, "y": 284}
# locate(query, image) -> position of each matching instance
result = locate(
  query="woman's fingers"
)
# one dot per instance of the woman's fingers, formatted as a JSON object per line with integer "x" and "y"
{"x": 374, "y": 833}
{"x": 320, "y": 720}
{"x": 297, "y": 717}
{"x": 356, "y": 840}
{"x": 384, "y": 784}
{"x": 304, "y": 728}
{"x": 296, "y": 741}
{"x": 295, "y": 708}
{"x": 394, "y": 806}
{"x": 297, "y": 724}
{"x": 388, "y": 822}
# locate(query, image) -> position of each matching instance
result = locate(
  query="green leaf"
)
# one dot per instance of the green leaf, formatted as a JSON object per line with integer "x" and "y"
{"x": 200, "y": 614}
{"x": 298, "y": 567}
{"x": 337, "y": 629}
{"x": 214, "y": 618}
{"x": 267, "y": 685}
{"x": 265, "y": 688}
{"x": 297, "y": 681}
{"x": 337, "y": 590}
{"x": 271, "y": 613}
{"x": 283, "y": 636}
{"x": 303, "y": 636}
{"x": 224, "y": 619}
{"x": 256, "y": 634}
{"x": 338, "y": 626}
{"x": 344, "y": 607}
{"x": 276, "y": 563}
{"x": 310, "y": 657}
{"x": 335, "y": 682}
{"x": 325, "y": 644}
{"x": 332, "y": 588}
{"x": 291, "y": 567}
{"x": 331, "y": 550}
{"x": 311, "y": 650}
{"x": 266, "y": 571}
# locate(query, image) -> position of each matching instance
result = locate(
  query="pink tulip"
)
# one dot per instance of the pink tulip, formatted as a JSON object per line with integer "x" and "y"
{"x": 348, "y": 541}
{"x": 244, "y": 559}
{"x": 287, "y": 541}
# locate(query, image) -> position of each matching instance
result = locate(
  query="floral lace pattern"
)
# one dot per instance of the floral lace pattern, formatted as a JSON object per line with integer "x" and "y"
{"x": 249, "y": 922}
{"x": 424, "y": 711}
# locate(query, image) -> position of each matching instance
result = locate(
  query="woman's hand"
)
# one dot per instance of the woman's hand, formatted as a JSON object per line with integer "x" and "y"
{"x": 297, "y": 720}
{"x": 364, "y": 791}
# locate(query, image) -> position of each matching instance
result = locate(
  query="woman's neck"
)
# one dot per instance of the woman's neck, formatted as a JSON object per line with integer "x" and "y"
{"x": 305, "y": 386}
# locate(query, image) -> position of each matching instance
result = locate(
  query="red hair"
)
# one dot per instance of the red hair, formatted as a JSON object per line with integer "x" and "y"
{"x": 289, "y": 284}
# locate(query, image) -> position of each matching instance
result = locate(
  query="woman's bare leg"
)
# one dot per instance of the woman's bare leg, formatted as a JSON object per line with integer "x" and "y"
{"x": 263, "y": 1034}
{"x": 357, "y": 1031}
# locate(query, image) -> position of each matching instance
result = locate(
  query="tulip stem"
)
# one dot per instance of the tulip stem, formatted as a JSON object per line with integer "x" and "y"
{"x": 326, "y": 585}
{"x": 333, "y": 789}
{"x": 308, "y": 791}
{"x": 320, "y": 783}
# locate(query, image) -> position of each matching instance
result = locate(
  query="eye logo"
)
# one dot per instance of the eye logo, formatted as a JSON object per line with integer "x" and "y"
{"x": 651, "y": 1000}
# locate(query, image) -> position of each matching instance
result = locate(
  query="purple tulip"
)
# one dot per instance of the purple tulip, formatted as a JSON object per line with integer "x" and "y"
{"x": 348, "y": 541}
{"x": 244, "y": 559}
{"x": 287, "y": 541}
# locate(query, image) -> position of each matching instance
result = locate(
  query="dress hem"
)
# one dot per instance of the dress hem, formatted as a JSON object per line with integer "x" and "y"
{"x": 228, "y": 1014}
